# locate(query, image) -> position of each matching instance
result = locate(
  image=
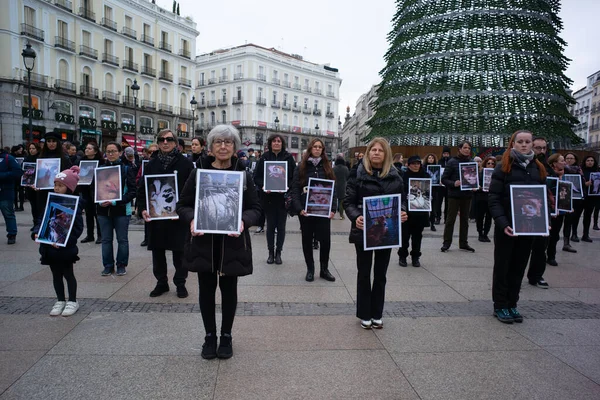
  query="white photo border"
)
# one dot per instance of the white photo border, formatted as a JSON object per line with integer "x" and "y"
{"x": 96, "y": 183}
{"x": 310, "y": 182}
{"x": 43, "y": 224}
{"x": 544, "y": 210}
{"x": 87, "y": 162}
{"x": 174, "y": 176}
{"x": 265, "y": 174}
{"x": 460, "y": 174}
{"x": 430, "y": 194}
{"x": 365, "y": 209}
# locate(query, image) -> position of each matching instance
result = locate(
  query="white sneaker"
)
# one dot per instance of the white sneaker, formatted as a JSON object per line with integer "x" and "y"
{"x": 70, "y": 309}
{"x": 57, "y": 308}
{"x": 377, "y": 323}
{"x": 365, "y": 324}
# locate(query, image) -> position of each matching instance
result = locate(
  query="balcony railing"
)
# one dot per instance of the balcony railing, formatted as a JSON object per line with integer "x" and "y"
{"x": 330, "y": 94}
{"x": 32, "y": 32}
{"x": 329, "y": 114}
{"x": 165, "y": 108}
{"x": 275, "y": 104}
{"x": 296, "y": 109}
{"x": 287, "y": 84}
{"x": 237, "y": 77}
{"x": 237, "y": 100}
{"x": 148, "y": 71}
{"x": 37, "y": 80}
{"x": 130, "y": 65}
{"x": 88, "y": 91}
{"x": 110, "y": 96}
{"x": 129, "y": 32}
{"x": 275, "y": 81}
{"x": 212, "y": 81}
{"x": 110, "y": 59}
{"x": 164, "y": 75}
{"x": 64, "y": 4}
{"x": 261, "y": 101}
{"x": 129, "y": 101}
{"x": 316, "y": 111}
{"x": 148, "y": 104}
{"x": 185, "y": 53}
{"x": 109, "y": 23}
{"x": 67, "y": 86}
{"x": 223, "y": 79}
{"x": 185, "y": 113}
{"x": 201, "y": 83}
{"x": 164, "y": 46}
{"x": 211, "y": 103}
{"x": 222, "y": 102}
{"x": 185, "y": 82}
{"x": 286, "y": 106}
{"x": 307, "y": 110}
{"x": 87, "y": 14}
{"x": 201, "y": 105}
{"x": 307, "y": 89}
{"x": 318, "y": 91}
{"x": 261, "y": 77}
{"x": 88, "y": 52}
{"x": 147, "y": 39}
{"x": 64, "y": 43}
{"x": 297, "y": 86}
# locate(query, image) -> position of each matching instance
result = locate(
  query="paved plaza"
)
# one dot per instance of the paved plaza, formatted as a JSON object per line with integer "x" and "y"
{"x": 300, "y": 340}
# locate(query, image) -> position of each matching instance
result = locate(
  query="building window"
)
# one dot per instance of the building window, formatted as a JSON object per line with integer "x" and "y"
{"x": 127, "y": 119}
{"x": 213, "y": 120}
{"x": 224, "y": 95}
{"x": 274, "y": 95}
{"x": 29, "y": 16}
{"x": 90, "y": 112}
{"x": 224, "y": 116}
{"x": 63, "y": 107}
{"x": 162, "y": 124}
{"x": 146, "y": 122}
{"x": 239, "y": 92}
{"x": 35, "y": 101}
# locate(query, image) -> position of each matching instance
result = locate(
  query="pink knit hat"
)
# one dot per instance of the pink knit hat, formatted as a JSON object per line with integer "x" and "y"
{"x": 69, "y": 178}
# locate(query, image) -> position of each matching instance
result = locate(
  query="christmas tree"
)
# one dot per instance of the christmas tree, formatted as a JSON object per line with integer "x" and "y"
{"x": 474, "y": 69}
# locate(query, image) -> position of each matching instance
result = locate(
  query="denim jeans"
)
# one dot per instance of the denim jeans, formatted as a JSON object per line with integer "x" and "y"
{"x": 121, "y": 226}
{"x": 6, "y": 206}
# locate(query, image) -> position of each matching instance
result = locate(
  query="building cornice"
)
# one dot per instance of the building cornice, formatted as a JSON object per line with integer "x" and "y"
{"x": 165, "y": 16}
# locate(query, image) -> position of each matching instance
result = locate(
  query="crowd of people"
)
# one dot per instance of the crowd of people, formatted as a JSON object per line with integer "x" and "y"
{"x": 220, "y": 259}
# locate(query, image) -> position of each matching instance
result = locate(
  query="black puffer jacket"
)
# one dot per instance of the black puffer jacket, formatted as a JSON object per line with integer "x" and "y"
{"x": 499, "y": 194}
{"x": 451, "y": 175}
{"x": 236, "y": 251}
{"x": 365, "y": 185}
{"x": 273, "y": 199}
{"x": 298, "y": 195}
{"x": 420, "y": 217}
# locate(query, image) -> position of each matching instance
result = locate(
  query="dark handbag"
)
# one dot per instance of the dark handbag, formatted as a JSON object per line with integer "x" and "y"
{"x": 287, "y": 200}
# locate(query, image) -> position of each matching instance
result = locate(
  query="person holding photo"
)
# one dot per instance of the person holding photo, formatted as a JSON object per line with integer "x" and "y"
{"x": 114, "y": 216}
{"x": 557, "y": 162}
{"x": 217, "y": 258}
{"x": 437, "y": 192}
{"x": 34, "y": 153}
{"x": 511, "y": 253}
{"x": 61, "y": 259}
{"x": 91, "y": 153}
{"x": 588, "y": 166}
{"x": 572, "y": 219}
{"x": 166, "y": 234}
{"x": 483, "y": 217}
{"x": 375, "y": 176}
{"x": 314, "y": 164}
{"x": 18, "y": 151}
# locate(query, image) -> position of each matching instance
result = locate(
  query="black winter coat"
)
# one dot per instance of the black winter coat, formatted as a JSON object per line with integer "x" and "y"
{"x": 165, "y": 234}
{"x": 128, "y": 188}
{"x": 499, "y": 194}
{"x": 42, "y": 195}
{"x": 273, "y": 199}
{"x": 236, "y": 258}
{"x": 297, "y": 188}
{"x": 451, "y": 175}
{"x": 364, "y": 185}
{"x": 420, "y": 217}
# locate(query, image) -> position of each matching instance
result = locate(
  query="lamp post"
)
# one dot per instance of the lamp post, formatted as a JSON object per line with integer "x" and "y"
{"x": 276, "y": 123}
{"x": 193, "y": 104}
{"x": 135, "y": 87}
{"x": 28, "y": 55}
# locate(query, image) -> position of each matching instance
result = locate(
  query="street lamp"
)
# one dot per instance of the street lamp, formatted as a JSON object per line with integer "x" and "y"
{"x": 317, "y": 129}
{"x": 135, "y": 87}
{"x": 193, "y": 104}
{"x": 276, "y": 123}
{"x": 28, "y": 55}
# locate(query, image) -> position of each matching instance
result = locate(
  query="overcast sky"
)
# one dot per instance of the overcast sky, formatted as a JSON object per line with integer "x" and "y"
{"x": 351, "y": 37}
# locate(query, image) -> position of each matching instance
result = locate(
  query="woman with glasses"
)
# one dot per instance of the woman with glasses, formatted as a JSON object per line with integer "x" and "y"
{"x": 484, "y": 219}
{"x": 572, "y": 219}
{"x": 91, "y": 153}
{"x": 34, "y": 153}
{"x": 314, "y": 164}
{"x": 219, "y": 259}
{"x": 273, "y": 203}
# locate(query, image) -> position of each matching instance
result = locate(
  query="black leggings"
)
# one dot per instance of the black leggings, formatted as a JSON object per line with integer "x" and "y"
{"x": 319, "y": 229}
{"x": 207, "y": 282}
{"x": 58, "y": 273}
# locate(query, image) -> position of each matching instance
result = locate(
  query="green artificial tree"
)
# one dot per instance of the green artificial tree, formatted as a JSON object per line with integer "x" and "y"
{"x": 477, "y": 69}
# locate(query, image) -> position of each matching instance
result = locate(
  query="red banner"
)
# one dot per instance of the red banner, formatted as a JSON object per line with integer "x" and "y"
{"x": 296, "y": 129}
{"x": 235, "y": 123}
{"x": 262, "y": 123}
{"x": 330, "y": 133}
{"x": 140, "y": 144}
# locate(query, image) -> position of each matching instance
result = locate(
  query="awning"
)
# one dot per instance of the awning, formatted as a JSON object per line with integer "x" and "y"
{"x": 140, "y": 142}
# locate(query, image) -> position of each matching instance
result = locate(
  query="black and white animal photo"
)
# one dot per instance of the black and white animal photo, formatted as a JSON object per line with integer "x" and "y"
{"x": 162, "y": 195}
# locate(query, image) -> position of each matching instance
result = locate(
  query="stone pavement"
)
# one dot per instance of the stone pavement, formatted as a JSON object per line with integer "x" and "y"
{"x": 296, "y": 340}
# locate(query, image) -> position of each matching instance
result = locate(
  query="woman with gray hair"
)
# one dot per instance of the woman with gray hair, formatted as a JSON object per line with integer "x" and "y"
{"x": 219, "y": 258}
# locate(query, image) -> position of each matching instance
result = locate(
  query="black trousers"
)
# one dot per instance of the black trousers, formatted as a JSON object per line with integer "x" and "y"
{"x": 159, "y": 267}
{"x": 555, "y": 224}
{"x": 596, "y": 210}
{"x": 370, "y": 299}
{"x": 320, "y": 229}
{"x": 537, "y": 262}
{"x": 91, "y": 218}
{"x": 34, "y": 203}
{"x": 276, "y": 217}
{"x": 439, "y": 194}
{"x": 572, "y": 219}
{"x": 484, "y": 218}
{"x": 510, "y": 260}
{"x": 19, "y": 194}
{"x": 455, "y": 205}
{"x": 60, "y": 272}
{"x": 207, "y": 283}
{"x": 588, "y": 208}
{"x": 411, "y": 229}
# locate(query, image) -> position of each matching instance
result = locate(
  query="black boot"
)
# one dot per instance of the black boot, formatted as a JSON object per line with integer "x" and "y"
{"x": 278, "y": 257}
{"x": 225, "y": 349}
{"x": 310, "y": 273}
{"x": 209, "y": 348}
{"x": 271, "y": 258}
{"x": 574, "y": 238}
{"x": 325, "y": 274}
{"x": 567, "y": 246}
{"x": 481, "y": 237}
{"x": 415, "y": 262}
{"x": 433, "y": 229}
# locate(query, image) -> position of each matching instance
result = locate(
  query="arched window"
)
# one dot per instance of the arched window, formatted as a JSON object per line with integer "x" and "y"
{"x": 63, "y": 107}
{"x": 201, "y": 119}
{"x": 260, "y": 114}
{"x": 224, "y": 116}
{"x": 183, "y": 102}
{"x": 127, "y": 119}
{"x": 63, "y": 70}
{"x": 182, "y": 127}
{"x": 108, "y": 115}
{"x": 295, "y": 120}
{"x": 147, "y": 95}
{"x": 108, "y": 83}
{"x": 162, "y": 124}
{"x": 285, "y": 119}
{"x": 35, "y": 101}
{"x": 238, "y": 114}
{"x": 305, "y": 123}
{"x": 87, "y": 78}
{"x": 213, "y": 118}
{"x": 146, "y": 122}
{"x": 164, "y": 96}
{"x": 89, "y": 112}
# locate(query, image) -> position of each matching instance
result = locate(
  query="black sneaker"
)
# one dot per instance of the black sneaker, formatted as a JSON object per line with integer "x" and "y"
{"x": 88, "y": 239}
{"x": 575, "y": 238}
{"x": 540, "y": 283}
{"x": 144, "y": 243}
{"x": 225, "y": 349}
{"x": 516, "y": 315}
{"x": 467, "y": 248}
{"x": 586, "y": 239}
{"x": 107, "y": 271}
{"x": 552, "y": 262}
{"x": 159, "y": 290}
{"x": 209, "y": 348}
{"x": 402, "y": 262}
{"x": 415, "y": 262}
{"x": 433, "y": 229}
{"x": 182, "y": 292}
{"x": 504, "y": 315}
{"x": 596, "y": 228}
{"x": 445, "y": 248}
{"x": 12, "y": 239}
{"x": 310, "y": 276}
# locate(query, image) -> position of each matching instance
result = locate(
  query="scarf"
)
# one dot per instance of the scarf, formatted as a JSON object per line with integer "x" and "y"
{"x": 314, "y": 160}
{"x": 167, "y": 158}
{"x": 523, "y": 159}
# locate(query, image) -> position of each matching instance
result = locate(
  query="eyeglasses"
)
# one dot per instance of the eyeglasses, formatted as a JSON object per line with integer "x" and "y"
{"x": 221, "y": 142}
{"x": 491, "y": 163}
{"x": 168, "y": 139}
{"x": 111, "y": 151}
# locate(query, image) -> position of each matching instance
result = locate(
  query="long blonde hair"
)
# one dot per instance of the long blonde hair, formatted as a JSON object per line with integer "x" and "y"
{"x": 387, "y": 161}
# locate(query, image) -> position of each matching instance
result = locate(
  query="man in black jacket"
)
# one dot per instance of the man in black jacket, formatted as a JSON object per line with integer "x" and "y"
{"x": 458, "y": 200}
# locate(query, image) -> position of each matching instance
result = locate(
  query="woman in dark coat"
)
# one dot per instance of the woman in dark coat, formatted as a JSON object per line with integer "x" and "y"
{"x": 219, "y": 258}
{"x": 511, "y": 253}
{"x": 34, "y": 153}
{"x": 342, "y": 173}
{"x": 314, "y": 164}
{"x": 572, "y": 219}
{"x": 437, "y": 193}
{"x": 92, "y": 153}
{"x": 588, "y": 166}
{"x": 484, "y": 219}
{"x": 375, "y": 176}
{"x": 166, "y": 234}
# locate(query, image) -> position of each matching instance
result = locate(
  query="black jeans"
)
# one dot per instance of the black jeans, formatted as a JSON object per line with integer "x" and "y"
{"x": 510, "y": 260}
{"x": 159, "y": 267}
{"x": 537, "y": 262}
{"x": 572, "y": 219}
{"x": 33, "y": 202}
{"x": 60, "y": 271}
{"x": 455, "y": 205}
{"x": 588, "y": 208}
{"x": 412, "y": 228}
{"x": 484, "y": 218}
{"x": 19, "y": 194}
{"x": 320, "y": 229}
{"x": 370, "y": 299}
{"x": 207, "y": 283}
{"x": 91, "y": 218}
{"x": 439, "y": 194}
{"x": 555, "y": 224}
{"x": 276, "y": 219}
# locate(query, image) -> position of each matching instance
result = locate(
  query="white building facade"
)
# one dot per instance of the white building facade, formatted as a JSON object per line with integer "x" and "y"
{"x": 583, "y": 106}
{"x": 262, "y": 91}
{"x": 355, "y": 127}
{"x": 88, "y": 55}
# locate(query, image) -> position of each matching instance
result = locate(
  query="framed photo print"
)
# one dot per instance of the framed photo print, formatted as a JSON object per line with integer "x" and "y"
{"x": 575, "y": 179}
{"x": 219, "y": 197}
{"x": 468, "y": 176}
{"x": 594, "y": 188}
{"x": 565, "y": 196}
{"x": 319, "y": 197}
{"x": 45, "y": 171}
{"x": 487, "y": 178}
{"x": 529, "y": 206}
{"x": 144, "y": 162}
{"x": 276, "y": 176}
{"x": 382, "y": 226}
{"x": 107, "y": 182}
{"x": 28, "y": 177}
{"x": 162, "y": 194}
{"x": 86, "y": 171}
{"x": 552, "y": 193}
{"x": 419, "y": 194}
{"x": 58, "y": 219}
{"x": 435, "y": 172}
{"x": 253, "y": 166}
